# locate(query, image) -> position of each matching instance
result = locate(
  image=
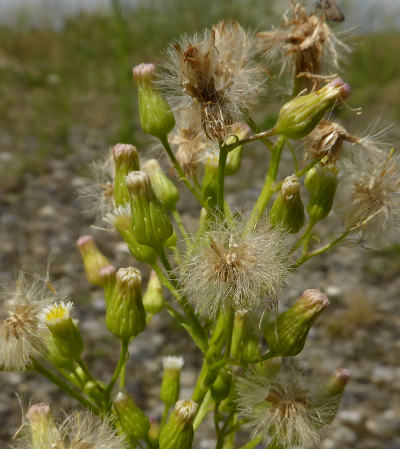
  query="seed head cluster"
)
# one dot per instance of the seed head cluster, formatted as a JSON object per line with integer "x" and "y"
{"x": 234, "y": 268}
{"x": 217, "y": 72}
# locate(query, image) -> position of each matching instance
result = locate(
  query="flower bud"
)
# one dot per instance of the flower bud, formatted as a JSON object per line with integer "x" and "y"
{"x": 134, "y": 423}
{"x": 153, "y": 298}
{"x": 331, "y": 393}
{"x": 164, "y": 188}
{"x": 42, "y": 428}
{"x": 300, "y": 116}
{"x": 122, "y": 221}
{"x": 170, "y": 385}
{"x": 287, "y": 335}
{"x": 221, "y": 387}
{"x": 93, "y": 259}
{"x": 240, "y": 331}
{"x": 151, "y": 224}
{"x": 125, "y": 315}
{"x": 107, "y": 275}
{"x": 126, "y": 159}
{"x": 234, "y": 158}
{"x": 321, "y": 182}
{"x": 209, "y": 185}
{"x": 63, "y": 329}
{"x": 155, "y": 114}
{"x": 288, "y": 210}
{"x": 95, "y": 390}
{"x": 178, "y": 431}
{"x": 53, "y": 355}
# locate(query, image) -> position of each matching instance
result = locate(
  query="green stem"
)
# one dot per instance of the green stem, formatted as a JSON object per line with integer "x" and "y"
{"x": 254, "y": 137}
{"x": 223, "y": 155}
{"x": 123, "y": 357}
{"x": 64, "y": 386}
{"x": 204, "y": 409}
{"x": 180, "y": 171}
{"x": 269, "y": 185}
{"x": 252, "y": 443}
{"x": 321, "y": 250}
{"x": 182, "y": 229}
{"x": 85, "y": 369}
{"x": 256, "y": 130}
{"x": 303, "y": 171}
{"x": 164, "y": 416}
{"x": 305, "y": 238}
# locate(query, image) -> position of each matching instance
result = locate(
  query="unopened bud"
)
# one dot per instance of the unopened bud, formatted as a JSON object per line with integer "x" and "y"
{"x": 107, "y": 274}
{"x": 53, "y": 355}
{"x": 122, "y": 221}
{"x": 164, "y": 188}
{"x": 300, "y": 116}
{"x": 209, "y": 185}
{"x": 134, "y": 423}
{"x": 288, "y": 210}
{"x": 63, "y": 329}
{"x": 155, "y": 114}
{"x": 153, "y": 298}
{"x": 321, "y": 182}
{"x": 178, "y": 432}
{"x": 170, "y": 385}
{"x": 240, "y": 329}
{"x": 234, "y": 158}
{"x": 126, "y": 159}
{"x": 43, "y": 431}
{"x": 151, "y": 224}
{"x": 221, "y": 387}
{"x": 95, "y": 390}
{"x": 125, "y": 315}
{"x": 93, "y": 259}
{"x": 287, "y": 335}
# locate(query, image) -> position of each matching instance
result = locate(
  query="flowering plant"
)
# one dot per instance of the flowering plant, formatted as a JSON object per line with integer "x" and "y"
{"x": 225, "y": 277}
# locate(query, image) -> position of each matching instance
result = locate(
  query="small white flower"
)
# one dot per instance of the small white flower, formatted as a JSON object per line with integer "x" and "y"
{"x": 171, "y": 362}
{"x": 56, "y": 313}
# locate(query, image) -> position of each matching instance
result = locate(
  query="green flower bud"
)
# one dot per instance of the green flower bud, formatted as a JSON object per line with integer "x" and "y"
{"x": 153, "y": 299}
{"x": 125, "y": 315}
{"x": 53, "y": 355}
{"x": 170, "y": 385}
{"x": 287, "y": 335}
{"x": 240, "y": 329}
{"x": 122, "y": 221}
{"x": 134, "y": 423}
{"x": 331, "y": 393}
{"x": 321, "y": 182}
{"x": 108, "y": 278}
{"x": 43, "y": 431}
{"x": 65, "y": 332}
{"x": 93, "y": 259}
{"x": 95, "y": 390}
{"x": 151, "y": 224}
{"x": 209, "y": 185}
{"x": 288, "y": 210}
{"x": 155, "y": 114}
{"x": 164, "y": 188}
{"x": 234, "y": 158}
{"x": 300, "y": 116}
{"x": 221, "y": 387}
{"x": 178, "y": 431}
{"x": 126, "y": 159}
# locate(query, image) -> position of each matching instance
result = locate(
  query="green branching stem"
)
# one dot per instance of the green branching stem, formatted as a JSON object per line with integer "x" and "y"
{"x": 223, "y": 155}
{"x": 123, "y": 357}
{"x": 253, "y": 138}
{"x": 269, "y": 187}
{"x": 195, "y": 191}
{"x": 321, "y": 250}
{"x": 37, "y": 366}
{"x": 252, "y": 443}
{"x": 182, "y": 229}
{"x": 85, "y": 369}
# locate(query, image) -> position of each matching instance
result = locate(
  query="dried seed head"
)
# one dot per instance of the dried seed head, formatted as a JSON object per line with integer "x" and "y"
{"x": 230, "y": 267}
{"x": 304, "y": 44}
{"x": 21, "y": 333}
{"x": 326, "y": 140}
{"x": 285, "y": 408}
{"x": 368, "y": 196}
{"x": 217, "y": 71}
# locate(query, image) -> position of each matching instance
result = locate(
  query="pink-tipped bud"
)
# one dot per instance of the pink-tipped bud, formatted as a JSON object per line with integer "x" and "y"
{"x": 144, "y": 72}
{"x": 93, "y": 259}
{"x": 38, "y": 411}
{"x": 343, "y": 88}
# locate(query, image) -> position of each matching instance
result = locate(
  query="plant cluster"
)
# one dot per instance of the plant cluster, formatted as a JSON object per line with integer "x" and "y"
{"x": 224, "y": 279}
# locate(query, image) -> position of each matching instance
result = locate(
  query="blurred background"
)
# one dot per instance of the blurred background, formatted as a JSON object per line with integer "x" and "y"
{"x": 66, "y": 95}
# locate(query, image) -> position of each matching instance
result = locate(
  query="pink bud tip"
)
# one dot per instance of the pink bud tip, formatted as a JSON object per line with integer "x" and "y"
{"x": 37, "y": 410}
{"x": 315, "y": 296}
{"x": 143, "y": 71}
{"x": 343, "y": 375}
{"x": 107, "y": 271}
{"x": 84, "y": 240}
{"x": 344, "y": 88}
{"x": 123, "y": 149}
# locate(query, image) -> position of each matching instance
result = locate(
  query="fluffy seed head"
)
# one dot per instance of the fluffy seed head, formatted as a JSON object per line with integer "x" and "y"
{"x": 217, "y": 71}
{"x": 304, "y": 44}
{"x": 21, "y": 332}
{"x": 228, "y": 266}
{"x": 171, "y": 362}
{"x": 368, "y": 196}
{"x": 283, "y": 408}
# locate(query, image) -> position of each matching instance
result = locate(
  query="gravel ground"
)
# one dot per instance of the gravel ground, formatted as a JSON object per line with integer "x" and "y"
{"x": 41, "y": 217}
